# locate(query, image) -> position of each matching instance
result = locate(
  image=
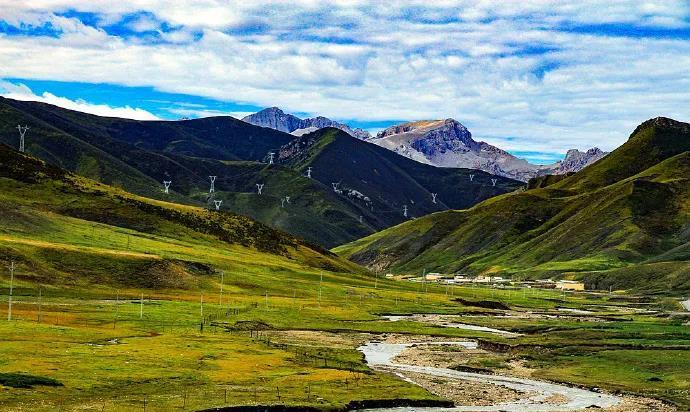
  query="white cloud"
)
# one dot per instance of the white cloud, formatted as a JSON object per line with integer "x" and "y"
{"x": 398, "y": 60}
{"x": 200, "y": 112}
{"x": 22, "y": 92}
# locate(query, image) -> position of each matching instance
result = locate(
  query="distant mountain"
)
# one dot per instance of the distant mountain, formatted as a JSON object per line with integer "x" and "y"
{"x": 275, "y": 118}
{"x": 447, "y": 143}
{"x": 623, "y": 222}
{"x": 139, "y": 155}
{"x": 383, "y": 184}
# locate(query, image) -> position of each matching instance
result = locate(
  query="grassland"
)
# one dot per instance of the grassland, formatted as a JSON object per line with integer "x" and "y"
{"x": 110, "y": 347}
{"x": 126, "y": 303}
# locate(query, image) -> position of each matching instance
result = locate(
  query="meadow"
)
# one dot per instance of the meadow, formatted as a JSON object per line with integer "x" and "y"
{"x": 116, "y": 350}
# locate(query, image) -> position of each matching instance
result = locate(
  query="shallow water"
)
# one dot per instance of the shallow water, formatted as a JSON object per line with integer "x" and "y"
{"x": 457, "y": 325}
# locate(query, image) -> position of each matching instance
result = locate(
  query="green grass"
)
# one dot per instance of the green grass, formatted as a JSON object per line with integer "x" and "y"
{"x": 94, "y": 342}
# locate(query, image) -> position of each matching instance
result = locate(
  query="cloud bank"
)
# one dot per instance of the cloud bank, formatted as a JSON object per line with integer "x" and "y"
{"x": 529, "y": 76}
{"x": 22, "y": 92}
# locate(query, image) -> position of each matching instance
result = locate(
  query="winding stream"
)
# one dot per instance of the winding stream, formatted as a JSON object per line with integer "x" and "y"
{"x": 381, "y": 356}
{"x": 448, "y": 324}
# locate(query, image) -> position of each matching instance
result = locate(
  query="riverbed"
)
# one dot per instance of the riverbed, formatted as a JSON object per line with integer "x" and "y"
{"x": 538, "y": 396}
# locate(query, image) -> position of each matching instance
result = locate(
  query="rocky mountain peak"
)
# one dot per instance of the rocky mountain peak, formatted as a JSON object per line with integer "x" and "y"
{"x": 275, "y": 118}
{"x": 448, "y": 143}
{"x": 576, "y": 160}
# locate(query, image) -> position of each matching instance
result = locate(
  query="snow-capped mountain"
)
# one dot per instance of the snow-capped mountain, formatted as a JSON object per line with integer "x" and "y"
{"x": 447, "y": 143}
{"x": 275, "y": 118}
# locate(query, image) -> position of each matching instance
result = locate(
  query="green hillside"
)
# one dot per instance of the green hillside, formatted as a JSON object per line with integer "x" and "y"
{"x": 137, "y": 156}
{"x": 64, "y": 229}
{"x": 622, "y": 222}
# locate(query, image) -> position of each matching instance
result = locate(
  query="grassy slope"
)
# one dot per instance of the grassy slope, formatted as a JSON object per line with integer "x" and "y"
{"x": 613, "y": 214}
{"x": 60, "y": 226}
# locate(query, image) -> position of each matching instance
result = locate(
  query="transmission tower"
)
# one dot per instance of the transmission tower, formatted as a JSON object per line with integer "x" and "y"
{"x": 471, "y": 178}
{"x": 259, "y": 187}
{"x": 270, "y": 157}
{"x": 22, "y": 133}
{"x": 217, "y": 203}
{"x": 167, "y": 183}
{"x": 309, "y": 172}
{"x": 433, "y": 197}
{"x": 405, "y": 210}
{"x": 213, "y": 181}
{"x": 493, "y": 182}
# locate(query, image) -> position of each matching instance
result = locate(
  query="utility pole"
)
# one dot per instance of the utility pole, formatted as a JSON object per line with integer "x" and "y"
{"x": 117, "y": 306}
{"x": 222, "y": 279}
{"x": 40, "y": 302}
{"x": 9, "y": 302}
{"x": 320, "y": 282}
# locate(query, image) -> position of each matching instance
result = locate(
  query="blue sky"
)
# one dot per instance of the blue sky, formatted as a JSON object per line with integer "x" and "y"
{"x": 535, "y": 78}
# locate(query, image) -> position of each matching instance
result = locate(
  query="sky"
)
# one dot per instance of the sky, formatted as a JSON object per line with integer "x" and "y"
{"x": 535, "y": 78}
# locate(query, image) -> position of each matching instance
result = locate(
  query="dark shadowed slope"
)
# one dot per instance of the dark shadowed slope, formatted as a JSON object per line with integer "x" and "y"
{"x": 382, "y": 183}
{"x": 623, "y": 221}
{"x": 137, "y": 156}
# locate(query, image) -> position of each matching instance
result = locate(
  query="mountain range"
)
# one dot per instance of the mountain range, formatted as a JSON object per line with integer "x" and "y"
{"x": 275, "y": 118}
{"x": 447, "y": 143}
{"x": 137, "y": 156}
{"x": 621, "y": 222}
{"x": 441, "y": 143}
